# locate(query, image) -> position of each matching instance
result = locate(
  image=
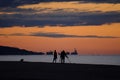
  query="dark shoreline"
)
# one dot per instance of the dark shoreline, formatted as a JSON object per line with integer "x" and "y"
{"x": 13, "y": 70}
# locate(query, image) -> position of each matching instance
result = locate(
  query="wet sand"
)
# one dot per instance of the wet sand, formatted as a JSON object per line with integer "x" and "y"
{"x": 56, "y": 71}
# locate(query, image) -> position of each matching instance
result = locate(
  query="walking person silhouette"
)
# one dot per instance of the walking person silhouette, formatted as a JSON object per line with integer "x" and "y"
{"x": 62, "y": 56}
{"x": 55, "y": 56}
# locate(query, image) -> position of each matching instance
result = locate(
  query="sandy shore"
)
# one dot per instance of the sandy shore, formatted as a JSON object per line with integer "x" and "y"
{"x": 52, "y": 71}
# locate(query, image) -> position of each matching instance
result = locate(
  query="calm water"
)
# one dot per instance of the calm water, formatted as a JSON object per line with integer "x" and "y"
{"x": 110, "y": 60}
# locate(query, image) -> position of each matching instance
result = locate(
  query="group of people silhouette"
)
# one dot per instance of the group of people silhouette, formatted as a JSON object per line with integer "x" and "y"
{"x": 62, "y": 56}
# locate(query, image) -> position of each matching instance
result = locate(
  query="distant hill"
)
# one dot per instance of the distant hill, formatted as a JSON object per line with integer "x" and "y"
{"x": 5, "y": 50}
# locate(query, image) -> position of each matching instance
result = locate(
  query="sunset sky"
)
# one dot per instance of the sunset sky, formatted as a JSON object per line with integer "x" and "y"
{"x": 90, "y": 26}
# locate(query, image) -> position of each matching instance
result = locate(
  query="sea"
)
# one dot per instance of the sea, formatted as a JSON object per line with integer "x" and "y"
{"x": 77, "y": 59}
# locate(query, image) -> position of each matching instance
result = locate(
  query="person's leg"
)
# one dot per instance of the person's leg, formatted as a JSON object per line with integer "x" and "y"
{"x": 53, "y": 60}
{"x": 63, "y": 60}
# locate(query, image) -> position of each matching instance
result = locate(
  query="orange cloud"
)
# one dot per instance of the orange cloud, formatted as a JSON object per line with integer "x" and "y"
{"x": 102, "y": 30}
{"x": 73, "y": 6}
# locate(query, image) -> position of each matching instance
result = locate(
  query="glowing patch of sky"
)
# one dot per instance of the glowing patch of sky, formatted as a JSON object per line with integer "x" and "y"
{"x": 84, "y": 46}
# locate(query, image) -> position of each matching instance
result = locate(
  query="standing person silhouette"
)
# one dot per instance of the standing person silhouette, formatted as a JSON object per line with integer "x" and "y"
{"x": 55, "y": 56}
{"x": 62, "y": 56}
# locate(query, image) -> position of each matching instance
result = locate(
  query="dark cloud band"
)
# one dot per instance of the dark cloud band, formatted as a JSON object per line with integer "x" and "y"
{"x": 57, "y": 35}
{"x": 63, "y": 19}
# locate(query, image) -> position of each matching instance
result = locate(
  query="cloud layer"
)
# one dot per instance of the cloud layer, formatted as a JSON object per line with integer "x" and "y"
{"x": 11, "y": 15}
{"x": 14, "y": 3}
{"x": 57, "y": 35}
{"x": 63, "y": 19}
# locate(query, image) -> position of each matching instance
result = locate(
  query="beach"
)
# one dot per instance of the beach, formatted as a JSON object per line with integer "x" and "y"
{"x": 16, "y": 70}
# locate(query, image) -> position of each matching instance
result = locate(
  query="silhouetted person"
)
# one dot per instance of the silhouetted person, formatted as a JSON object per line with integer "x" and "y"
{"x": 55, "y": 56}
{"x": 62, "y": 56}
